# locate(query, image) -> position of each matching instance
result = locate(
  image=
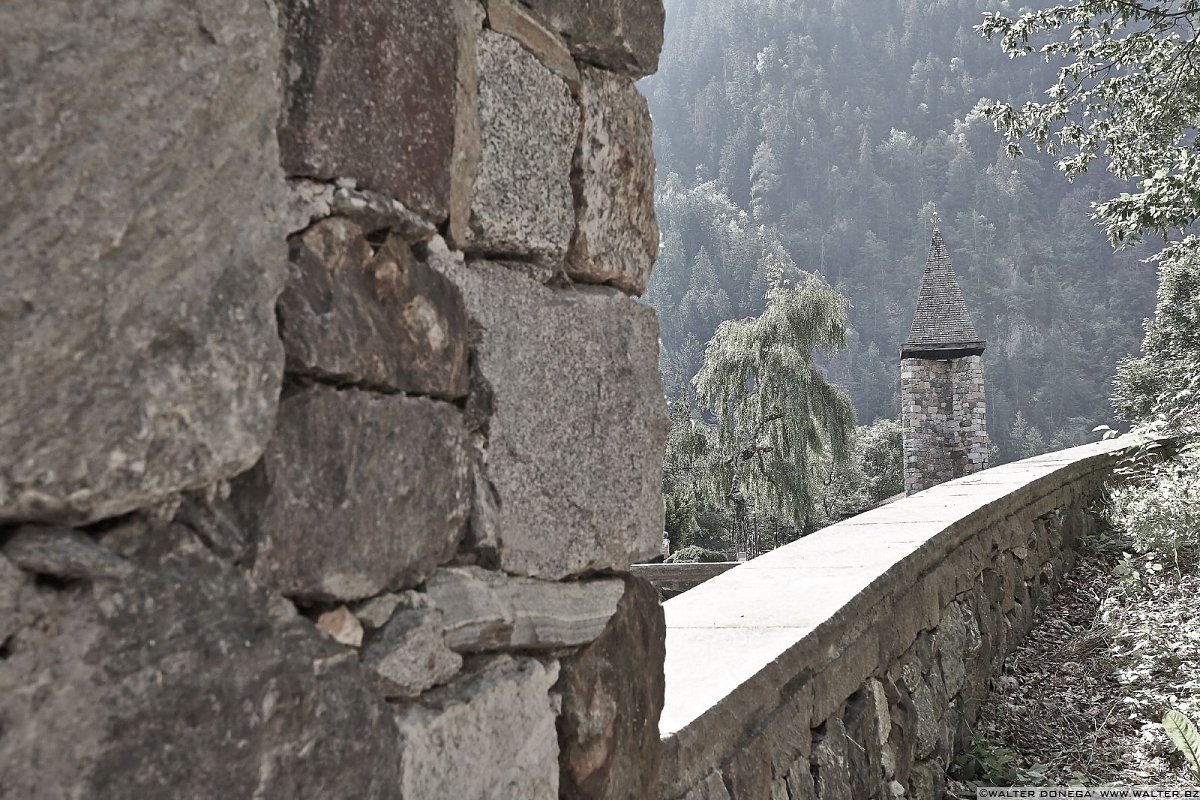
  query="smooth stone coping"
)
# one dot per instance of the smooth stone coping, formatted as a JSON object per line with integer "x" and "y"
{"x": 747, "y": 624}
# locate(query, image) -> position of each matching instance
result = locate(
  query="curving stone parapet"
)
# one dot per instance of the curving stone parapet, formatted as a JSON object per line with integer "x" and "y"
{"x": 851, "y": 663}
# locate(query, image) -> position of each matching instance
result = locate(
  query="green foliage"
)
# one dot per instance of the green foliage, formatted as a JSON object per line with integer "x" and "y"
{"x": 1127, "y": 87}
{"x": 695, "y": 555}
{"x": 1159, "y": 508}
{"x": 879, "y": 452}
{"x": 1164, "y": 381}
{"x": 713, "y": 531}
{"x": 988, "y": 763}
{"x": 1185, "y": 738}
{"x": 872, "y": 472}
{"x": 776, "y": 413}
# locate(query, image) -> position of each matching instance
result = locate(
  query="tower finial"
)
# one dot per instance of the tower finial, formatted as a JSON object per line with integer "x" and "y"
{"x": 935, "y": 219}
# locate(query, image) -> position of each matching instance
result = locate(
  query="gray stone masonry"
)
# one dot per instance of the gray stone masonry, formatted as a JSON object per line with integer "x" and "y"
{"x": 943, "y": 411}
{"x": 852, "y": 663}
{"x": 331, "y": 428}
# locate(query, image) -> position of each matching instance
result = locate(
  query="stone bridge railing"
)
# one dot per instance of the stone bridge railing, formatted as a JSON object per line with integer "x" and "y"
{"x": 852, "y": 663}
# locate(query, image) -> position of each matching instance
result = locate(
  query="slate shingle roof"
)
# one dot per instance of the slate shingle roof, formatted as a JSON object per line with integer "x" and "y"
{"x": 941, "y": 325}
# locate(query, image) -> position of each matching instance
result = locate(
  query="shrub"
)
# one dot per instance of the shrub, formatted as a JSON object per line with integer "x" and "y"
{"x": 696, "y": 555}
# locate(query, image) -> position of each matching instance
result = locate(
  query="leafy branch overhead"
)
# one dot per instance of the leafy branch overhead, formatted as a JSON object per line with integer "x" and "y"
{"x": 1127, "y": 91}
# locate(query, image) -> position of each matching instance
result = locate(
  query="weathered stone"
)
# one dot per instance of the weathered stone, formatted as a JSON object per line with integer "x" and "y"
{"x": 12, "y": 581}
{"x": 484, "y": 610}
{"x": 375, "y": 613}
{"x": 800, "y": 781}
{"x": 410, "y": 654}
{"x": 831, "y": 759}
{"x": 375, "y": 212}
{"x": 864, "y": 753}
{"x": 616, "y": 237}
{"x": 928, "y": 779}
{"x": 208, "y": 513}
{"x": 341, "y": 626}
{"x": 512, "y": 19}
{"x": 63, "y": 553}
{"x": 312, "y": 201}
{"x": 379, "y": 319}
{"x": 608, "y": 728}
{"x": 711, "y": 788}
{"x": 748, "y": 773}
{"x": 577, "y": 421}
{"x": 497, "y": 714}
{"x": 368, "y": 95}
{"x": 186, "y": 680}
{"x": 357, "y": 494}
{"x": 950, "y": 642}
{"x": 622, "y": 35}
{"x": 522, "y": 204}
{"x": 464, "y": 163}
{"x": 137, "y": 315}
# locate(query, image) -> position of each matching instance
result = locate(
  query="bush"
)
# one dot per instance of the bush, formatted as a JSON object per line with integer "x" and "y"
{"x": 1160, "y": 508}
{"x": 696, "y": 555}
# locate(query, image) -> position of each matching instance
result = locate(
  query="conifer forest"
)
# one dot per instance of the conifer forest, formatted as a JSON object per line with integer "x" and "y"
{"x": 820, "y": 137}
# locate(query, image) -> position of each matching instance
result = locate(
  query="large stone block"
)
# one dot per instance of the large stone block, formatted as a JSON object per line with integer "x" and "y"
{"x": 142, "y": 251}
{"x": 612, "y": 695}
{"x": 484, "y": 610}
{"x": 577, "y": 421}
{"x": 185, "y": 680}
{"x": 616, "y": 238}
{"x": 489, "y": 735}
{"x": 622, "y": 35}
{"x": 380, "y": 319}
{"x": 529, "y": 125}
{"x": 369, "y": 95}
{"x": 358, "y": 493}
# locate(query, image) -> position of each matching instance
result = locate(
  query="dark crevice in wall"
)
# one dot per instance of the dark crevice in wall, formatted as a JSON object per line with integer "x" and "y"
{"x": 297, "y": 380}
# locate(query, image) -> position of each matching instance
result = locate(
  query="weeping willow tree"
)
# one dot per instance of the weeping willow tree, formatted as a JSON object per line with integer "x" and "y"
{"x": 777, "y": 416}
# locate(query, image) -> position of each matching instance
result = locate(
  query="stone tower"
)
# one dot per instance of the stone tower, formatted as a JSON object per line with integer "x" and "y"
{"x": 942, "y": 404}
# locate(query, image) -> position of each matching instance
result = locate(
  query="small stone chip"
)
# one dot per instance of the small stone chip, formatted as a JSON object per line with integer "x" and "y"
{"x": 342, "y": 626}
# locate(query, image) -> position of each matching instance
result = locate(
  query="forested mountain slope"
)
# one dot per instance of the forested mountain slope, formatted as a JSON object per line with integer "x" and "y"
{"x": 818, "y": 135}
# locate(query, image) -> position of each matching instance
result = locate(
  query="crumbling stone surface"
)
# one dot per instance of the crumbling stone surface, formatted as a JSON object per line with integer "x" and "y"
{"x": 616, "y": 238}
{"x": 12, "y": 582}
{"x": 488, "y": 735}
{"x": 137, "y": 316}
{"x": 63, "y": 553}
{"x": 357, "y": 494}
{"x": 608, "y": 729}
{"x": 621, "y": 35}
{"x": 832, "y": 759}
{"x": 523, "y": 204}
{"x": 185, "y": 680}
{"x": 378, "y": 319}
{"x": 410, "y": 655}
{"x": 511, "y": 18}
{"x": 362, "y": 101}
{"x": 484, "y": 610}
{"x": 571, "y": 380}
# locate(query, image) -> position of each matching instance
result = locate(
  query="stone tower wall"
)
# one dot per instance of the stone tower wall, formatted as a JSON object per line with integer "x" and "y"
{"x": 331, "y": 426}
{"x": 944, "y": 416}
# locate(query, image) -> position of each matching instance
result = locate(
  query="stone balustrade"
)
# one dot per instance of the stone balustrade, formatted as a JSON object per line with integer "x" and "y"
{"x": 850, "y": 664}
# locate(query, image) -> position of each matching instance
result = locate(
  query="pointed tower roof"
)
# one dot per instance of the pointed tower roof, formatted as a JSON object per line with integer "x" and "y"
{"x": 941, "y": 328}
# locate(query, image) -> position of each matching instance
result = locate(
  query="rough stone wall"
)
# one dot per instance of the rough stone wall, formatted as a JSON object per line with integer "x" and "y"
{"x": 927, "y": 659}
{"x": 943, "y": 410}
{"x": 331, "y": 427}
